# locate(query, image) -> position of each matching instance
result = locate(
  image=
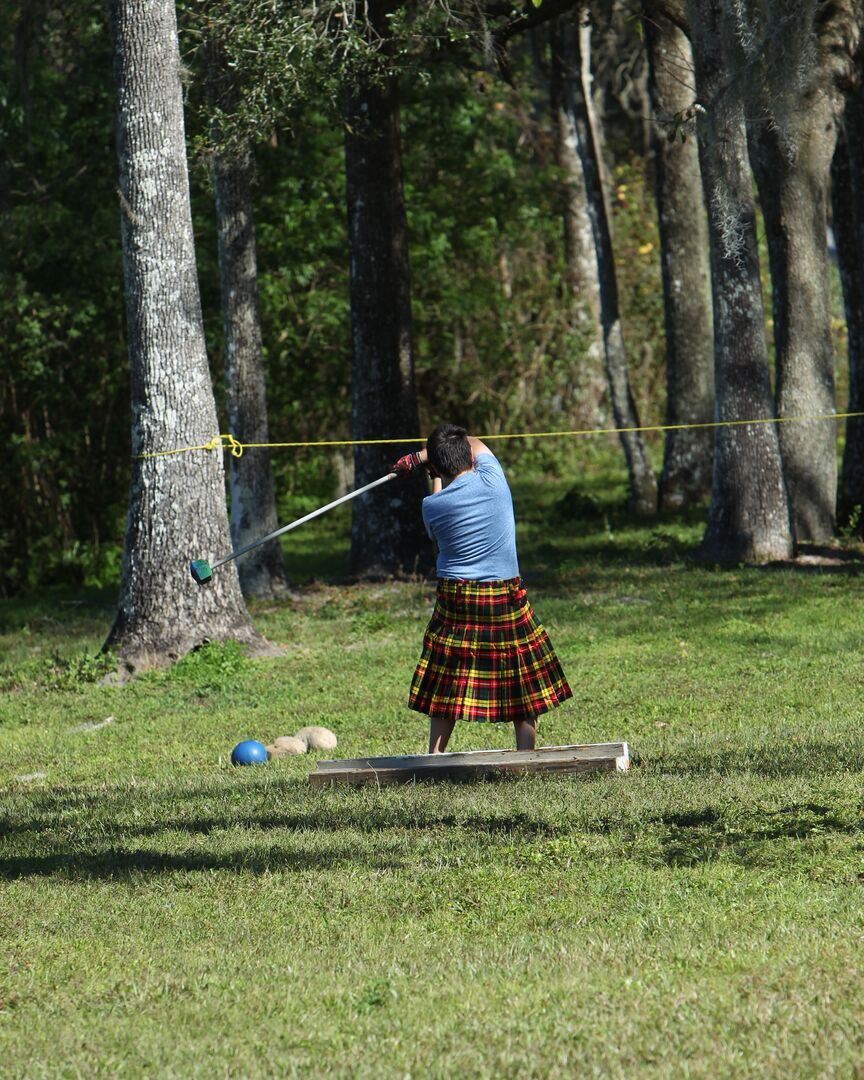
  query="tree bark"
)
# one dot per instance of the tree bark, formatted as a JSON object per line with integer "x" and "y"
{"x": 848, "y": 213}
{"x": 253, "y": 501}
{"x": 574, "y": 56}
{"x": 792, "y": 165}
{"x": 794, "y": 200}
{"x": 792, "y": 153}
{"x": 177, "y": 503}
{"x": 582, "y": 283}
{"x": 386, "y": 534}
{"x": 686, "y": 271}
{"x": 749, "y": 516}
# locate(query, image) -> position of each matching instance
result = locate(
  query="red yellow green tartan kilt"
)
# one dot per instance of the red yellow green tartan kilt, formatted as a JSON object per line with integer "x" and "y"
{"x": 486, "y": 656}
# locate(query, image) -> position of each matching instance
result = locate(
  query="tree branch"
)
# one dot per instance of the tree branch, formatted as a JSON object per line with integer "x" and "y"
{"x": 673, "y": 10}
{"x": 532, "y": 17}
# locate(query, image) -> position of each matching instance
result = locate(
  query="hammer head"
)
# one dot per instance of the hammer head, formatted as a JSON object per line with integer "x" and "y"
{"x": 202, "y": 572}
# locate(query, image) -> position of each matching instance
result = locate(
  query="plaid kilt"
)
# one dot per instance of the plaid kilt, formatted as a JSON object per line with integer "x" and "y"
{"x": 485, "y": 656}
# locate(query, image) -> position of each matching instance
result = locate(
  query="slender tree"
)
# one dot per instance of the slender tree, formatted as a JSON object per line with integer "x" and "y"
{"x": 253, "y": 502}
{"x": 684, "y": 254}
{"x": 573, "y": 44}
{"x": 749, "y": 516}
{"x": 177, "y": 502}
{"x": 386, "y": 533}
{"x": 583, "y": 286}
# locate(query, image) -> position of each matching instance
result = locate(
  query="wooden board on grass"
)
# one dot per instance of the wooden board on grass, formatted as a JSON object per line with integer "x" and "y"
{"x": 473, "y": 764}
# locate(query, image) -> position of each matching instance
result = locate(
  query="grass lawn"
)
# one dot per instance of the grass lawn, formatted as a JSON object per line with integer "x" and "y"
{"x": 163, "y": 914}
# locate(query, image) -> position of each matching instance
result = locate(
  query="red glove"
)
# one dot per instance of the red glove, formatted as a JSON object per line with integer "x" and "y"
{"x": 407, "y": 465}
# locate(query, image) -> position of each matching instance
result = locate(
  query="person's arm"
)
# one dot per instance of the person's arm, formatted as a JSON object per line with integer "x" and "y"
{"x": 419, "y": 459}
{"x": 409, "y": 463}
{"x": 478, "y": 447}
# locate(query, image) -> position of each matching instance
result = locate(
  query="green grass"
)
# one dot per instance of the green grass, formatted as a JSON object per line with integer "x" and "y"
{"x": 163, "y": 914}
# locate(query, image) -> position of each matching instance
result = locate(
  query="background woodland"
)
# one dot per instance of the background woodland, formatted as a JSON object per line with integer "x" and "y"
{"x": 523, "y": 219}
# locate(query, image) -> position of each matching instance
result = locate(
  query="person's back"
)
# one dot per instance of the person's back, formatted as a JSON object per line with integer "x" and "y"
{"x": 473, "y": 525}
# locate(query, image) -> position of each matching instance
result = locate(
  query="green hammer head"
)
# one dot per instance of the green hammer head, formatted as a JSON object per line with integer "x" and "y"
{"x": 202, "y": 572}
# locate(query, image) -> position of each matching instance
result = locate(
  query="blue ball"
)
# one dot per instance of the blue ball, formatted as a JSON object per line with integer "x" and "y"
{"x": 249, "y": 752}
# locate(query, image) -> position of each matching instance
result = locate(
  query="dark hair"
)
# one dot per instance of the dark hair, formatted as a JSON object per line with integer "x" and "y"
{"x": 449, "y": 451}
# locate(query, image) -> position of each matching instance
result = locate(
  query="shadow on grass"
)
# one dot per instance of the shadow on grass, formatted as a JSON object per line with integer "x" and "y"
{"x": 338, "y": 816}
{"x": 586, "y": 529}
{"x": 686, "y": 837}
{"x": 67, "y": 608}
{"x": 663, "y": 550}
{"x": 117, "y": 865}
{"x": 706, "y": 836}
{"x": 365, "y": 811}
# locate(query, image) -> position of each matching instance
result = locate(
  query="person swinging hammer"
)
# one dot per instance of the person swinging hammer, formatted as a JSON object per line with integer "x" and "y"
{"x": 485, "y": 657}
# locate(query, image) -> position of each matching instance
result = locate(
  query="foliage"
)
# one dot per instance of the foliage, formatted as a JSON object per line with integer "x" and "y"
{"x": 63, "y": 382}
{"x": 285, "y": 55}
{"x": 215, "y": 666}
{"x": 492, "y": 339}
{"x": 71, "y": 673}
{"x": 496, "y": 347}
{"x": 637, "y": 263}
{"x": 303, "y": 280}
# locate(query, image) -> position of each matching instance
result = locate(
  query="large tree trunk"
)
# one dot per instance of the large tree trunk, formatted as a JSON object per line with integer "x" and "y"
{"x": 574, "y": 56}
{"x": 794, "y": 199}
{"x": 792, "y": 162}
{"x": 253, "y": 501}
{"x": 749, "y": 516}
{"x": 177, "y": 503}
{"x": 848, "y": 208}
{"x": 583, "y": 286}
{"x": 387, "y": 534}
{"x": 686, "y": 270}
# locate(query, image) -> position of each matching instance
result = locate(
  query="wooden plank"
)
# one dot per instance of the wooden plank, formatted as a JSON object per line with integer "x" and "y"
{"x": 465, "y": 757}
{"x": 472, "y": 764}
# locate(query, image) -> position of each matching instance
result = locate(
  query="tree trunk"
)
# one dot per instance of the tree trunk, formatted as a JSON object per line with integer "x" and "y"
{"x": 574, "y": 56}
{"x": 792, "y": 170}
{"x": 791, "y": 150}
{"x": 177, "y": 503}
{"x": 582, "y": 284}
{"x": 686, "y": 270}
{"x": 848, "y": 208}
{"x": 387, "y": 535}
{"x": 253, "y": 502}
{"x": 749, "y": 516}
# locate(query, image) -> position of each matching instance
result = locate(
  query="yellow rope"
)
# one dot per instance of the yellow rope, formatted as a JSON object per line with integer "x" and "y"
{"x": 218, "y": 442}
{"x": 228, "y": 442}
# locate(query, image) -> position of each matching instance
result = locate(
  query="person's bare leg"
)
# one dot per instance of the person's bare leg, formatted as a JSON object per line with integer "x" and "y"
{"x": 440, "y": 730}
{"x": 526, "y": 734}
